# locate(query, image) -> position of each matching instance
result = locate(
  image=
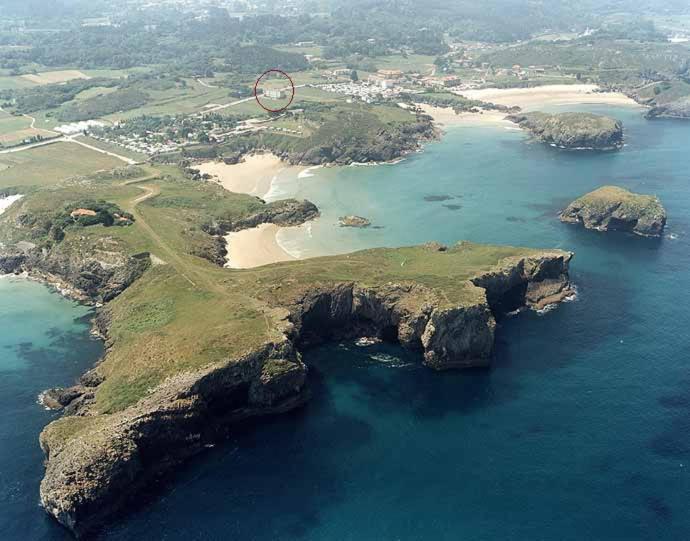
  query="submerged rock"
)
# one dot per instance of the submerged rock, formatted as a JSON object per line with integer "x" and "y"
{"x": 611, "y": 208}
{"x": 573, "y": 131}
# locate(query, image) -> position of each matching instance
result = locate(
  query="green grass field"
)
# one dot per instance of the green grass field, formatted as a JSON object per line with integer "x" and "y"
{"x": 51, "y": 164}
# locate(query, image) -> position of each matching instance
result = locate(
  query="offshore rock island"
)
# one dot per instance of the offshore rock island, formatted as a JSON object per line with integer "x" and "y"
{"x": 572, "y": 131}
{"x": 611, "y": 208}
{"x": 193, "y": 348}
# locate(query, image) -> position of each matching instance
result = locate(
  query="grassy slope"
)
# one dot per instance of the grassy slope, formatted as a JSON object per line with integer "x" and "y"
{"x": 606, "y": 196}
{"x": 188, "y": 313}
{"x": 50, "y": 164}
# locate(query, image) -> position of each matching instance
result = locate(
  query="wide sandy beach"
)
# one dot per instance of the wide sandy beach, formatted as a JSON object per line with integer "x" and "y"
{"x": 258, "y": 246}
{"x": 252, "y": 176}
{"x": 255, "y": 247}
{"x": 531, "y": 99}
{"x": 446, "y": 116}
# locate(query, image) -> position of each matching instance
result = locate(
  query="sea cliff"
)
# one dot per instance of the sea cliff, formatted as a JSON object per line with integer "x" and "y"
{"x": 96, "y": 464}
{"x": 192, "y": 348}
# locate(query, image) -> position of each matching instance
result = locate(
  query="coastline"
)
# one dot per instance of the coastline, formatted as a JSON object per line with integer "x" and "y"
{"x": 530, "y": 99}
{"x": 446, "y": 117}
{"x": 255, "y": 247}
{"x": 252, "y": 176}
{"x": 256, "y": 175}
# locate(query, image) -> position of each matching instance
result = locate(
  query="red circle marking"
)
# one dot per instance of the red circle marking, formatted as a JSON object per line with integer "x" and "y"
{"x": 256, "y": 87}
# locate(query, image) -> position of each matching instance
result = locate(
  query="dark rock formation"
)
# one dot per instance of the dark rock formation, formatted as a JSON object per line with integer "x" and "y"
{"x": 573, "y": 131}
{"x": 89, "y": 276}
{"x": 353, "y": 221}
{"x": 611, "y": 208}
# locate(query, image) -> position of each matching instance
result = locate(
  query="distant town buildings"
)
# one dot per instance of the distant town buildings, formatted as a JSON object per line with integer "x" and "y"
{"x": 274, "y": 94}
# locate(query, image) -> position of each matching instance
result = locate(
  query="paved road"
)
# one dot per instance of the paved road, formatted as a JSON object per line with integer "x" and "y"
{"x": 69, "y": 139}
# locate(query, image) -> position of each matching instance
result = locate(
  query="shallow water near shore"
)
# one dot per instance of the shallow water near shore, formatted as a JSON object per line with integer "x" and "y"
{"x": 44, "y": 342}
{"x": 581, "y": 430}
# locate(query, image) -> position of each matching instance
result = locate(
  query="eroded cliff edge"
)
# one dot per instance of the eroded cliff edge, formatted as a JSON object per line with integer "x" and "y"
{"x": 193, "y": 348}
{"x": 96, "y": 463}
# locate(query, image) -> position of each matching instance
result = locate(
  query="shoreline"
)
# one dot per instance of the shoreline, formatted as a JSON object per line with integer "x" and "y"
{"x": 252, "y": 176}
{"x": 255, "y": 247}
{"x": 532, "y": 98}
{"x": 256, "y": 176}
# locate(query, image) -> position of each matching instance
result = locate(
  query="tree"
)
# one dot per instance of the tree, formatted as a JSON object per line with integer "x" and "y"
{"x": 353, "y": 76}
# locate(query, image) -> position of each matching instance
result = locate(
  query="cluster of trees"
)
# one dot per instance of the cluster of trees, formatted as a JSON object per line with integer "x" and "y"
{"x": 49, "y": 96}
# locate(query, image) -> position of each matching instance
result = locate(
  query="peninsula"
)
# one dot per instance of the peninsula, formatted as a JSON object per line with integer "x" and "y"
{"x": 193, "y": 348}
{"x": 611, "y": 208}
{"x": 572, "y": 131}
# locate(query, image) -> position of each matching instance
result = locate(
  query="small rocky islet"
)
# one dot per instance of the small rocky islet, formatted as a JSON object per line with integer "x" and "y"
{"x": 611, "y": 208}
{"x": 572, "y": 131}
{"x": 354, "y": 221}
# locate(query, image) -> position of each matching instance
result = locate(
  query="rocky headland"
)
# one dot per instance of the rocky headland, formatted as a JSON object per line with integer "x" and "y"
{"x": 611, "y": 208}
{"x": 572, "y": 131}
{"x": 96, "y": 463}
{"x": 192, "y": 349}
{"x": 675, "y": 109}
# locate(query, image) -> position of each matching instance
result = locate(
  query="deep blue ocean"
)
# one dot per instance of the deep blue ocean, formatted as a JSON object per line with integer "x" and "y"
{"x": 581, "y": 430}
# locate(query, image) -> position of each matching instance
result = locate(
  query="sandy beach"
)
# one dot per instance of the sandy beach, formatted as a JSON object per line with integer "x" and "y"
{"x": 255, "y": 247}
{"x": 258, "y": 246}
{"x": 446, "y": 116}
{"x": 536, "y": 97}
{"x": 252, "y": 176}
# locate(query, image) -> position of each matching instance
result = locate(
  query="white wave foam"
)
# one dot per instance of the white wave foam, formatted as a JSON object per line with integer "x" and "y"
{"x": 291, "y": 246}
{"x": 275, "y": 191}
{"x": 390, "y": 360}
{"x": 307, "y": 173}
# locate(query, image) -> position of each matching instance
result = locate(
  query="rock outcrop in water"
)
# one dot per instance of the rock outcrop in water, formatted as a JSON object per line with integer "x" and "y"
{"x": 102, "y": 462}
{"x": 572, "y": 131}
{"x": 354, "y": 221}
{"x": 611, "y": 208}
{"x": 675, "y": 109}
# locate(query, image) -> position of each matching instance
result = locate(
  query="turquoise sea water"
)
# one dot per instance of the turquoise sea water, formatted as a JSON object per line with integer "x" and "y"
{"x": 44, "y": 342}
{"x": 581, "y": 430}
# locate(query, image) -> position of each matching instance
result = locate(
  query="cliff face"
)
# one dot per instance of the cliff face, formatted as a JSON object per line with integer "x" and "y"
{"x": 91, "y": 276}
{"x": 96, "y": 463}
{"x": 99, "y": 470}
{"x": 573, "y": 131}
{"x": 611, "y": 208}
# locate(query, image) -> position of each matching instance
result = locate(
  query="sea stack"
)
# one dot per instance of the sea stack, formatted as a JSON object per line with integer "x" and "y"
{"x": 611, "y": 208}
{"x": 573, "y": 131}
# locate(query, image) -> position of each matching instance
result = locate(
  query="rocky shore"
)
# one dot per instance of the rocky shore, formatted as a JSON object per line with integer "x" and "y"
{"x": 572, "y": 131}
{"x": 611, "y": 208}
{"x": 96, "y": 464}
